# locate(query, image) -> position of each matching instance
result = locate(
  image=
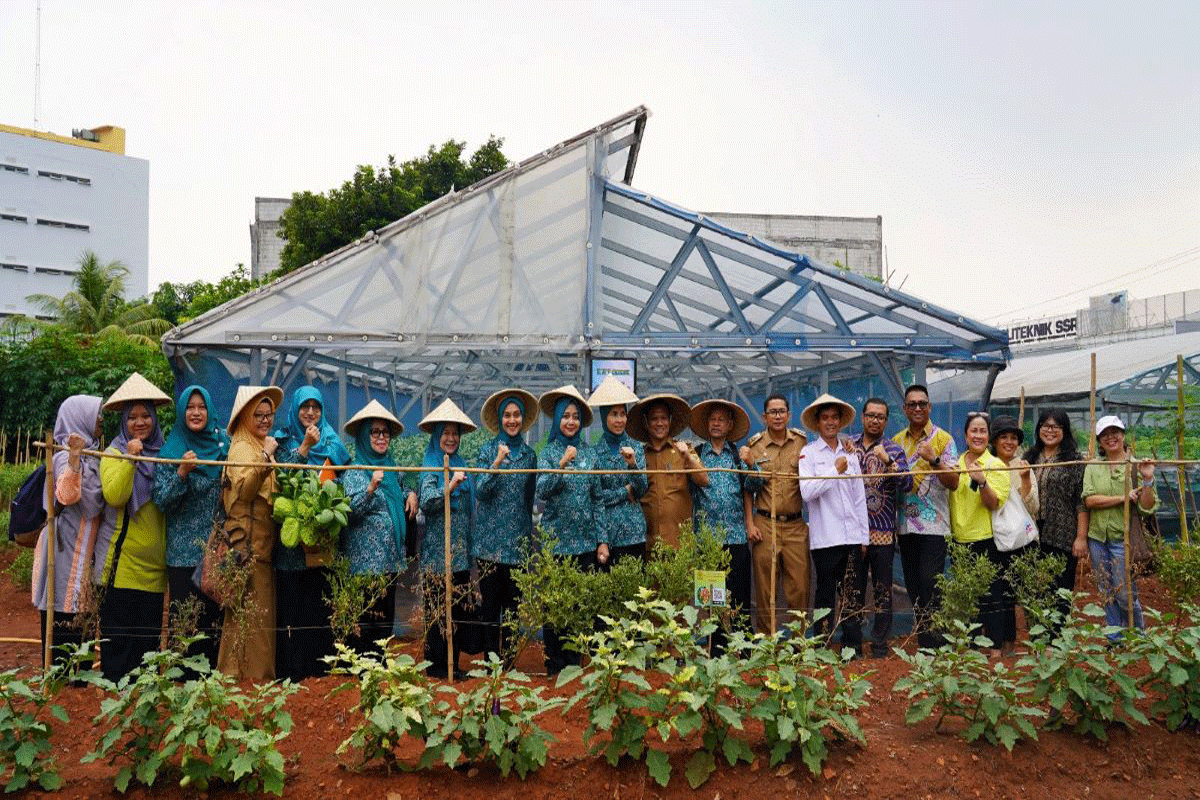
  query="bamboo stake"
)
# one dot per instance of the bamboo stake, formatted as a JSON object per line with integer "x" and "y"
{"x": 1128, "y": 572}
{"x": 774, "y": 549}
{"x": 51, "y": 540}
{"x": 1021, "y": 410}
{"x": 449, "y": 580}
{"x": 1182, "y": 470}
{"x": 1092, "y": 428}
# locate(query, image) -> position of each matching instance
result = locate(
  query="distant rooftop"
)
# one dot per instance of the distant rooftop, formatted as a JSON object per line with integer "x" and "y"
{"x": 105, "y": 137}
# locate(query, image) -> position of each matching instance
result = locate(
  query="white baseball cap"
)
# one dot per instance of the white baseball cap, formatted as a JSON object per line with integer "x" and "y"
{"x": 1108, "y": 422}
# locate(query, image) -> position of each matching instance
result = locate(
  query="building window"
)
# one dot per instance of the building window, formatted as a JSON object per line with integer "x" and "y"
{"x": 15, "y": 168}
{"x": 15, "y": 267}
{"x": 62, "y": 176}
{"x": 5, "y": 215}
{"x": 52, "y": 271}
{"x": 58, "y": 223}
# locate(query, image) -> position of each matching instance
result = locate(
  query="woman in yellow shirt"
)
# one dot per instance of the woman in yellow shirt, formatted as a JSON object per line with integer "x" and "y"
{"x": 971, "y": 505}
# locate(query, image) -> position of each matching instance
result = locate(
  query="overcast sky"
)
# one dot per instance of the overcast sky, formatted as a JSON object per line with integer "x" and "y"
{"x": 1023, "y": 156}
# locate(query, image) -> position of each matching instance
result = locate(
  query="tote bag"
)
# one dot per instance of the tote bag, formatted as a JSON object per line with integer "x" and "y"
{"x": 1012, "y": 527}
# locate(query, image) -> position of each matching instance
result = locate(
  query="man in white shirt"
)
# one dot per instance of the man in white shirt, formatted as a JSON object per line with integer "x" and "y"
{"x": 837, "y": 507}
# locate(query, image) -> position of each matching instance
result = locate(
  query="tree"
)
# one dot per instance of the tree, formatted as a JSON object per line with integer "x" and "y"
{"x": 180, "y": 302}
{"x": 316, "y": 223}
{"x": 97, "y": 306}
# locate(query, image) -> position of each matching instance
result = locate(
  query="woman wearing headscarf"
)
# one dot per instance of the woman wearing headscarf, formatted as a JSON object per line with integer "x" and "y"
{"x": 78, "y": 522}
{"x": 189, "y": 494}
{"x": 503, "y": 535}
{"x": 569, "y": 501}
{"x": 446, "y": 425}
{"x": 248, "y": 634}
{"x": 373, "y": 541}
{"x": 1060, "y": 515}
{"x": 132, "y": 565}
{"x": 620, "y": 512}
{"x": 305, "y": 637}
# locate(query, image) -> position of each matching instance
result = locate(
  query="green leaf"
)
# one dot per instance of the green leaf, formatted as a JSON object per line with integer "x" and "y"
{"x": 1007, "y": 736}
{"x": 451, "y": 753}
{"x": 50, "y": 781}
{"x": 659, "y": 766}
{"x": 699, "y": 767}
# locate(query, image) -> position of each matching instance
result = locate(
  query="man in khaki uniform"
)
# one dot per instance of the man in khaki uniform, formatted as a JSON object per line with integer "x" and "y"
{"x": 784, "y": 537}
{"x": 667, "y": 503}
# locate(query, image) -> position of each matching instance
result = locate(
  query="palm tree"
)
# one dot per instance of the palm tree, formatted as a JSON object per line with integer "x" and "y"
{"x": 97, "y": 304}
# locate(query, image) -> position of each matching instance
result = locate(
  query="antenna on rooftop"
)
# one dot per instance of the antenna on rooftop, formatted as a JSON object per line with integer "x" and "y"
{"x": 37, "y": 67}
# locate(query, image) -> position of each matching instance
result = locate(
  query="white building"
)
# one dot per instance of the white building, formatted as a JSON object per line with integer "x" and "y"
{"x": 60, "y": 196}
{"x": 265, "y": 244}
{"x": 855, "y": 243}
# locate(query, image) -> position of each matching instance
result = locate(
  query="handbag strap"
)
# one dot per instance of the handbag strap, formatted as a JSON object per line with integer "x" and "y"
{"x": 112, "y": 573}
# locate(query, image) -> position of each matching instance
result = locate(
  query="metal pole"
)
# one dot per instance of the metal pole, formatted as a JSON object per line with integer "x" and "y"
{"x": 48, "y": 535}
{"x": 449, "y": 587}
{"x": 1092, "y": 428}
{"x": 1181, "y": 468}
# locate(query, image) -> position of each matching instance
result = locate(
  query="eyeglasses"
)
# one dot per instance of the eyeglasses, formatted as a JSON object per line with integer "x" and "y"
{"x": 874, "y": 416}
{"x": 260, "y": 417}
{"x": 917, "y": 404}
{"x": 775, "y": 412}
{"x": 1051, "y": 426}
{"x": 381, "y": 433}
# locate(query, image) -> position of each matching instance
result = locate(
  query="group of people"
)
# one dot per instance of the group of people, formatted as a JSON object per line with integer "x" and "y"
{"x": 819, "y": 520}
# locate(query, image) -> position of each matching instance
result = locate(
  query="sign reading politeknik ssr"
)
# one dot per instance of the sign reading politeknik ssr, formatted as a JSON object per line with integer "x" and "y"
{"x": 1043, "y": 330}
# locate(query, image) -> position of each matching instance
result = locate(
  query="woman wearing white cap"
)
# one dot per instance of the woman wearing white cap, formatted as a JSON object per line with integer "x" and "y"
{"x": 446, "y": 425}
{"x": 248, "y": 636}
{"x": 132, "y": 566}
{"x": 1104, "y": 499}
{"x": 503, "y": 534}
{"x": 373, "y": 541}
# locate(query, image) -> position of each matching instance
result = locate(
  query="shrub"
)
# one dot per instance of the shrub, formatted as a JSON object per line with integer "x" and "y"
{"x": 1032, "y": 575}
{"x": 968, "y": 580}
{"x": 1171, "y": 648}
{"x": 1179, "y": 571}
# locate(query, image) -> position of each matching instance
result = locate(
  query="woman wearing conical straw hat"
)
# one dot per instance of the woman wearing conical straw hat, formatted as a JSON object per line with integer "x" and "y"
{"x": 570, "y": 501}
{"x": 189, "y": 495}
{"x": 620, "y": 512}
{"x": 306, "y": 436}
{"x": 248, "y": 636}
{"x": 132, "y": 565}
{"x": 656, "y": 420}
{"x": 503, "y": 535}
{"x": 373, "y": 541}
{"x": 446, "y": 425}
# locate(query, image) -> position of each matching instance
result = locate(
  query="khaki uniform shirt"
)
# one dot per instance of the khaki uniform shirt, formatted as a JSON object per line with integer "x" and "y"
{"x": 783, "y": 459}
{"x": 667, "y": 502}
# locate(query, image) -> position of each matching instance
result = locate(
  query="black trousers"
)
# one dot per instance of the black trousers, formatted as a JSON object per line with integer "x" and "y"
{"x": 830, "y": 565}
{"x": 878, "y": 563}
{"x": 997, "y": 608}
{"x": 375, "y": 622}
{"x": 66, "y": 632}
{"x": 619, "y": 554}
{"x": 1064, "y": 580}
{"x": 182, "y": 590}
{"x": 738, "y": 596}
{"x": 433, "y": 592}
{"x": 500, "y": 598}
{"x": 923, "y": 558}
{"x": 557, "y": 656}
{"x": 130, "y": 627}
{"x": 303, "y": 636}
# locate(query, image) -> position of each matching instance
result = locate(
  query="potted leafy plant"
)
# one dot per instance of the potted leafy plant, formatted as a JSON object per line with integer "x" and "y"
{"x": 312, "y": 509}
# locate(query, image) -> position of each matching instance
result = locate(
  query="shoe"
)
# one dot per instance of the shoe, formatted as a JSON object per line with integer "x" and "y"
{"x": 878, "y": 651}
{"x": 437, "y": 673}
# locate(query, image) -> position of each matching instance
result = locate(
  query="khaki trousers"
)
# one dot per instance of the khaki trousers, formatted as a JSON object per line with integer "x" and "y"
{"x": 248, "y": 643}
{"x": 792, "y": 570}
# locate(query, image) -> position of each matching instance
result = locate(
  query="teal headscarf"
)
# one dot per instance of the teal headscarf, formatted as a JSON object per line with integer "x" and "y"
{"x": 209, "y": 444}
{"x": 610, "y": 439}
{"x": 393, "y": 492}
{"x": 514, "y": 442}
{"x": 328, "y": 447}
{"x": 432, "y": 462}
{"x": 556, "y": 434}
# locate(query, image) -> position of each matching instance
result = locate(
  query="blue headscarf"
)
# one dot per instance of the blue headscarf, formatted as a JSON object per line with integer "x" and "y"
{"x": 209, "y": 444}
{"x": 143, "y": 476}
{"x": 328, "y": 447}
{"x": 393, "y": 492}
{"x": 612, "y": 440}
{"x": 560, "y": 408}
{"x": 432, "y": 462}
{"x": 514, "y": 442}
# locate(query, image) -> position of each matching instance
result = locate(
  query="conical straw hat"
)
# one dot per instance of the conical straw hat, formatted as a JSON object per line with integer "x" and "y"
{"x": 136, "y": 387}
{"x": 680, "y": 415}
{"x": 809, "y": 415}
{"x": 447, "y": 411}
{"x": 373, "y": 410}
{"x": 611, "y": 392}
{"x": 699, "y": 418}
{"x": 491, "y": 408}
{"x": 252, "y": 394}
{"x": 550, "y": 398}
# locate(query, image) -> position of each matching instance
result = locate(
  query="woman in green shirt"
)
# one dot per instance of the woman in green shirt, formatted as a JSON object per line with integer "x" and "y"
{"x": 1104, "y": 500}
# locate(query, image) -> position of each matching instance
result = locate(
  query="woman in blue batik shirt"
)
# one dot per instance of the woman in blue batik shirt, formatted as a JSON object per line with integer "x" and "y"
{"x": 503, "y": 535}
{"x": 446, "y": 425}
{"x": 569, "y": 501}
{"x": 619, "y": 514}
{"x": 189, "y": 494}
{"x": 303, "y": 636}
{"x": 374, "y": 539}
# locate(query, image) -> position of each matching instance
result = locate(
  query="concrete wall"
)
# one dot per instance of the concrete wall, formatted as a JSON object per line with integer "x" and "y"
{"x": 265, "y": 244}
{"x": 854, "y": 242}
{"x": 58, "y": 199}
